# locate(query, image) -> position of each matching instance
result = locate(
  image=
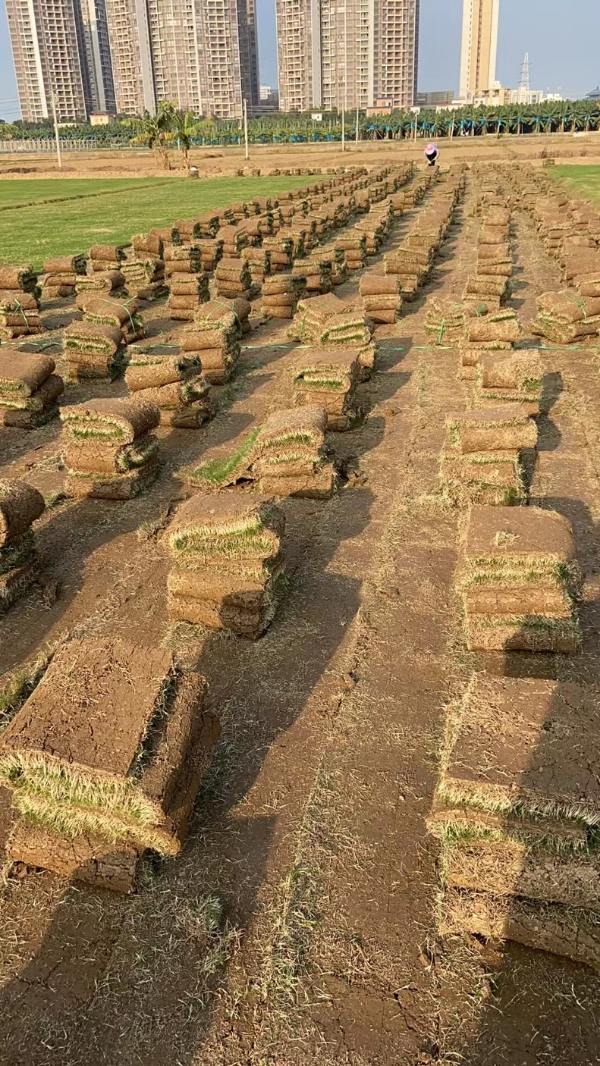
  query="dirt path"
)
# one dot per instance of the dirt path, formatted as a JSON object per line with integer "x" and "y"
{"x": 310, "y": 828}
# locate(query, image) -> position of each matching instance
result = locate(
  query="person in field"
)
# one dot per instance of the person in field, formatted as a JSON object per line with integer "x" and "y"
{"x": 431, "y": 154}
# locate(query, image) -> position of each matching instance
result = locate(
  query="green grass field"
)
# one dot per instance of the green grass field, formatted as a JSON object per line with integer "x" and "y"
{"x": 80, "y": 217}
{"x": 584, "y": 180}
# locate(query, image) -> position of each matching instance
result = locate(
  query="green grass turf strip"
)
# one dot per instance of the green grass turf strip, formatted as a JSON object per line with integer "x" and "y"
{"x": 33, "y": 234}
{"x": 582, "y": 181}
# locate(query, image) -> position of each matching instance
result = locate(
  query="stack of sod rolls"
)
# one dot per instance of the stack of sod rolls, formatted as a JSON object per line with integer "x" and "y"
{"x": 280, "y": 295}
{"x": 339, "y": 266}
{"x": 485, "y": 331}
{"x": 19, "y": 302}
{"x": 411, "y": 265}
{"x": 285, "y": 456}
{"x": 567, "y": 317}
{"x": 326, "y": 320}
{"x": 62, "y": 273}
{"x": 172, "y": 382}
{"x": 494, "y": 260}
{"x": 144, "y": 278}
{"x": 214, "y": 337}
{"x": 495, "y": 331}
{"x": 518, "y": 578}
{"x": 148, "y": 246}
{"x": 93, "y": 351}
{"x": 228, "y": 562}
{"x": 297, "y": 235}
{"x": 582, "y": 271}
{"x": 144, "y": 268}
{"x": 233, "y": 278}
{"x": 486, "y": 290}
{"x": 20, "y": 506}
{"x": 105, "y": 311}
{"x": 516, "y": 810}
{"x": 108, "y": 282}
{"x": 91, "y": 790}
{"x": 354, "y": 247}
{"x": 328, "y": 377}
{"x": 281, "y": 252}
{"x": 316, "y": 269}
{"x": 108, "y": 448}
{"x": 482, "y": 458}
{"x": 375, "y": 228}
{"x": 254, "y": 229}
{"x": 29, "y": 389}
{"x": 104, "y": 257}
{"x": 187, "y": 293}
{"x": 234, "y": 239}
{"x": 288, "y": 455}
{"x": 381, "y": 297}
{"x": 208, "y": 224}
{"x": 211, "y": 251}
{"x": 446, "y": 322}
{"x": 182, "y": 258}
{"x": 259, "y": 263}
{"x": 509, "y": 377}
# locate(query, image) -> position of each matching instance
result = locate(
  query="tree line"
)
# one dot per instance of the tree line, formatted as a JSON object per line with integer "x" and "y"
{"x": 176, "y": 131}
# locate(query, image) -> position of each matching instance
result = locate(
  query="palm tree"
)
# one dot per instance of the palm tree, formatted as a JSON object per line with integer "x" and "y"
{"x": 184, "y": 128}
{"x": 155, "y": 131}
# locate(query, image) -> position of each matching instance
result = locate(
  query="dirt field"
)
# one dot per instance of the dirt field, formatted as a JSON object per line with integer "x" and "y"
{"x": 298, "y": 925}
{"x": 214, "y": 162}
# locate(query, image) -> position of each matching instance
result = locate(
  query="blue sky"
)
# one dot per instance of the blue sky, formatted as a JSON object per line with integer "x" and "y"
{"x": 561, "y": 36}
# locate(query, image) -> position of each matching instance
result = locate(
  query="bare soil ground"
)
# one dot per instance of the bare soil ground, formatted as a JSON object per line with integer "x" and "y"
{"x": 216, "y": 161}
{"x": 298, "y": 926}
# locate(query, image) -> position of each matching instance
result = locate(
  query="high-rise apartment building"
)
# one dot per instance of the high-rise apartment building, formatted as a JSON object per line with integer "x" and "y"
{"x": 98, "y": 85}
{"x": 199, "y": 54}
{"x": 347, "y": 53}
{"x": 131, "y": 54}
{"x": 61, "y": 57}
{"x": 128, "y": 56}
{"x": 479, "y": 47}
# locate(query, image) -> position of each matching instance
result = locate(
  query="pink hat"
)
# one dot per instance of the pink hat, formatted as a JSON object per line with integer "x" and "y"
{"x": 431, "y": 148}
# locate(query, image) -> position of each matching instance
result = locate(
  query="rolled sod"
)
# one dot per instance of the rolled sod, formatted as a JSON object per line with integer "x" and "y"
{"x": 66, "y": 264}
{"x": 504, "y": 428}
{"x": 89, "y": 337}
{"x": 572, "y": 932}
{"x": 490, "y": 478}
{"x": 98, "y": 456}
{"x": 148, "y": 371}
{"x": 106, "y": 281}
{"x": 519, "y": 370}
{"x": 18, "y": 277}
{"x": 316, "y": 484}
{"x": 22, "y": 373}
{"x": 516, "y": 868}
{"x": 119, "y": 420}
{"x": 18, "y": 302}
{"x": 220, "y": 527}
{"x": 84, "y": 483}
{"x": 524, "y": 746}
{"x": 100, "y": 747}
{"x": 525, "y": 538}
{"x": 20, "y": 505}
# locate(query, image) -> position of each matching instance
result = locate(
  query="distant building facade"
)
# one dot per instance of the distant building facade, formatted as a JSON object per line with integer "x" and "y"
{"x": 336, "y": 54}
{"x": 479, "y": 47}
{"x": 437, "y": 99}
{"x": 128, "y": 56}
{"x": 61, "y": 57}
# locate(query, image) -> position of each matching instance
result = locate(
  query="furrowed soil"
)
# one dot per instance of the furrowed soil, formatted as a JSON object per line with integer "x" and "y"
{"x": 298, "y": 925}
